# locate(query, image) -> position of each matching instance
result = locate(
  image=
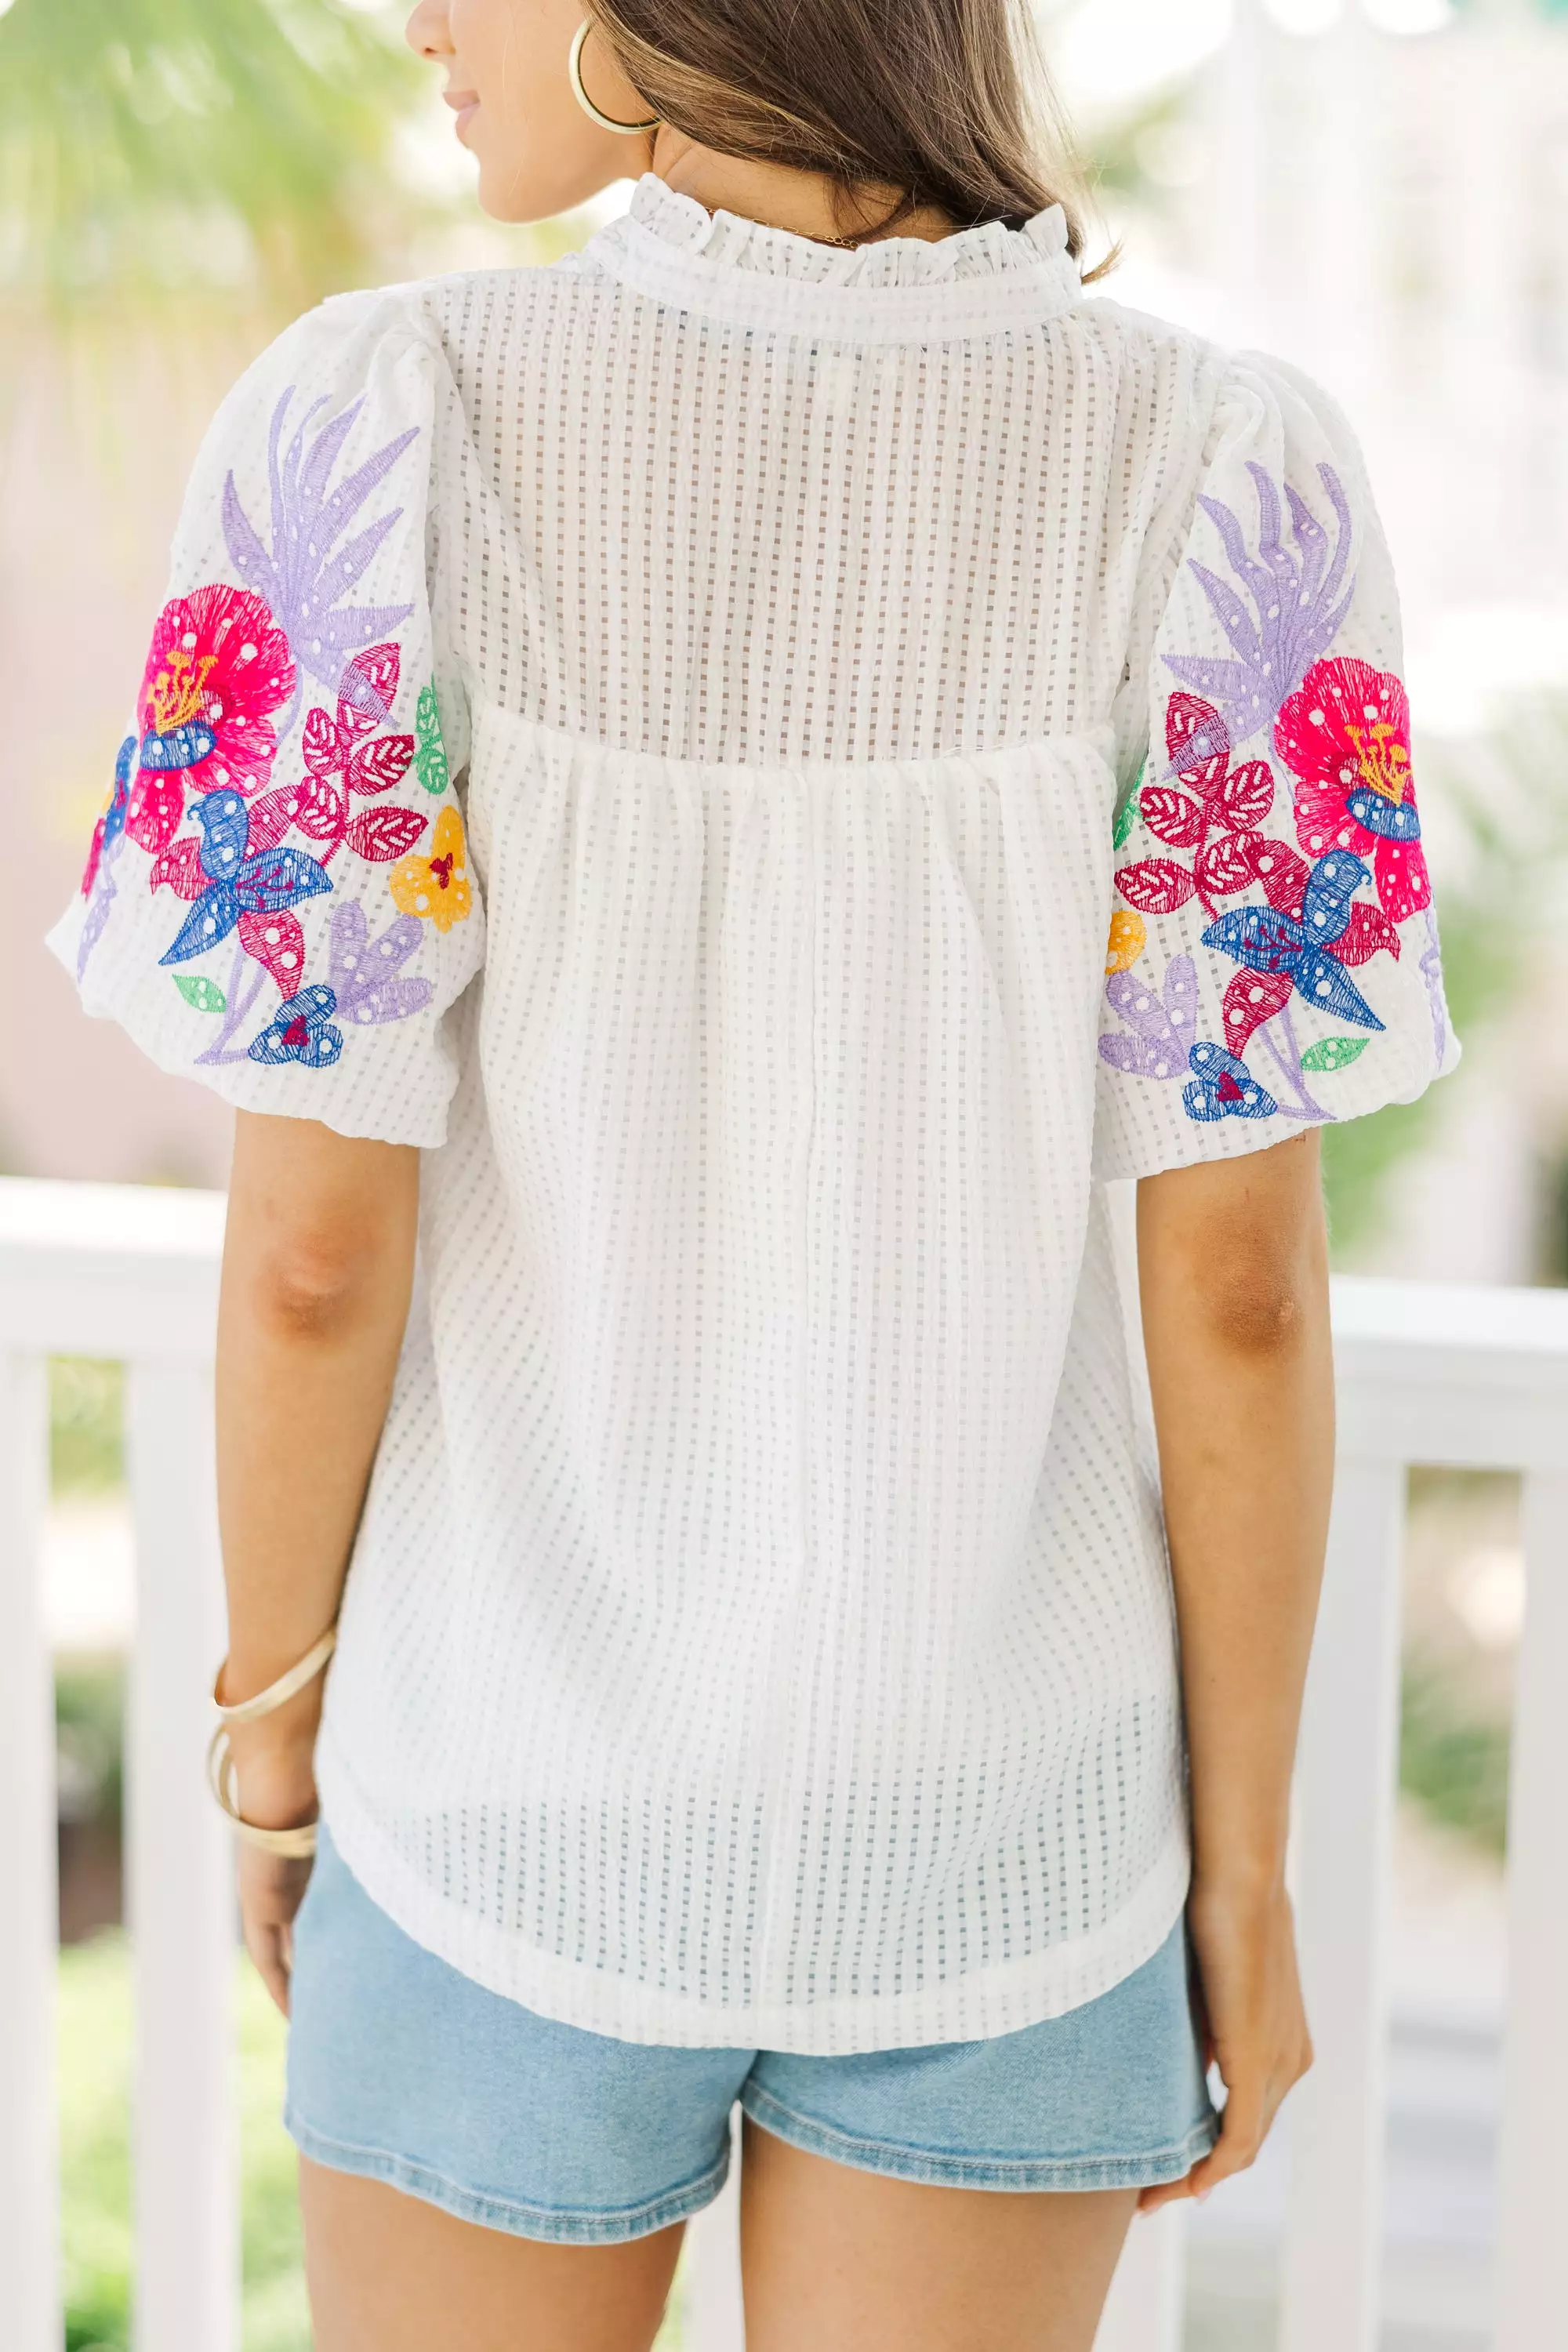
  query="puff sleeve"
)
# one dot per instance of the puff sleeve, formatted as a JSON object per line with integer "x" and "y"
{"x": 277, "y": 899}
{"x": 1273, "y": 961}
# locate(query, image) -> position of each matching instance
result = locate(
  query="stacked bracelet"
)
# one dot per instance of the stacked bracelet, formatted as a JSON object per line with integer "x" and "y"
{"x": 295, "y": 1844}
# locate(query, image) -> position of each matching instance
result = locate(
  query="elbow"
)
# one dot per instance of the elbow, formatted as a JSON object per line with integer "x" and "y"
{"x": 1261, "y": 1307}
{"x": 316, "y": 1288}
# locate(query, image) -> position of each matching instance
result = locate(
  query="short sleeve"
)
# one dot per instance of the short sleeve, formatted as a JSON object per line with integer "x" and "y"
{"x": 1273, "y": 961}
{"x": 278, "y": 899}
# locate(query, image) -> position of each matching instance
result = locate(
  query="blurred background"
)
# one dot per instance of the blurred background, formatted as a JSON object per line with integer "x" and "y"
{"x": 1378, "y": 190}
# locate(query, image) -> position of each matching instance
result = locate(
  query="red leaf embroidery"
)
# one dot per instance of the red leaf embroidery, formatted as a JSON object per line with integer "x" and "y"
{"x": 1156, "y": 886}
{"x": 1248, "y": 794}
{"x": 1172, "y": 816}
{"x": 180, "y": 866}
{"x": 1368, "y": 930}
{"x": 317, "y": 806}
{"x": 1196, "y": 738}
{"x": 153, "y": 810}
{"x": 276, "y": 941}
{"x": 324, "y": 752}
{"x": 1252, "y": 998}
{"x": 370, "y": 680}
{"x": 1281, "y": 872}
{"x": 1223, "y": 866}
{"x": 384, "y": 832}
{"x": 376, "y": 767}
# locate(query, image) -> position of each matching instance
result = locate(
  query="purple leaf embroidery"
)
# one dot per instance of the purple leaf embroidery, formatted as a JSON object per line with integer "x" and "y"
{"x": 311, "y": 567}
{"x": 364, "y": 972}
{"x": 1296, "y": 607}
{"x": 1160, "y": 1029}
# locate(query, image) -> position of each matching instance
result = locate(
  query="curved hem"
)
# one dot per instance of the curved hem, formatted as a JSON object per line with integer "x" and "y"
{"x": 1147, "y": 2169}
{"x": 550, "y": 2225}
{"x": 974, "y": 2008}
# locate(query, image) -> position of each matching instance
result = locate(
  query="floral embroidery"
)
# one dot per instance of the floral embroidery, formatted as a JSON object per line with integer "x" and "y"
{"x": 1221, "y": 1086}
{"x": 343, "y": 755}
{"x": 437, "y": 887}
{"x": 240, "y": 881}
{"x": 112, "y": 824}
{"x": 302, "y": 1032}
{"x": 1161, "y": 1027}
{"x": 218, "y": 668}
{"x": 1289, "y": 955}
{"x": 1126, "y": 942}
{"x": 220, "y": 701}
{"x": 1215, "y": 818}
{"x": 365, "y": 973}
{"x": 1343, "y": 730}
{"x": 431, "y": 763}
{"x": 1300, "y": 597}
{"x": 310, "y": 568}
{"x": 1345, "y": 736}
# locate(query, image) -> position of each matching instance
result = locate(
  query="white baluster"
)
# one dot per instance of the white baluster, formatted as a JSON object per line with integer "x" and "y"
{"x": 1532, "y": 2271}
{"x": 179, "y": 1879}
{"x": 29, "y": 2170}
{"x": 1346, "y": 1789}
{"x": 1143, "y": 2310}
{"x": 715, "y": 2314}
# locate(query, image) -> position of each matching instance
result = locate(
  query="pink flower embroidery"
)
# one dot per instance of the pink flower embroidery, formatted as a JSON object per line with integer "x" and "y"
{"x": 1344, "y": 735}
{"x": 218, "y": 668}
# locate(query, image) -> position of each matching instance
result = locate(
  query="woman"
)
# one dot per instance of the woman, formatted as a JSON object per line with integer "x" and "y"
{"x": 628, "y": 796}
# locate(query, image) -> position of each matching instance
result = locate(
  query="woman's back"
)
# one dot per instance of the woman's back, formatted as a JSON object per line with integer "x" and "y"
{"x": 773, "y": 503}
{"x": 759, "y": 1627}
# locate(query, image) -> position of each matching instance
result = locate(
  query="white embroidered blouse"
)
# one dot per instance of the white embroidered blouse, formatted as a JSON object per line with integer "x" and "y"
{"x": 671, "y": 734}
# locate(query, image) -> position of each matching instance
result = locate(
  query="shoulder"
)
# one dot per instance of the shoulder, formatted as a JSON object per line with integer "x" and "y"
{"x": 1210, "y": 390}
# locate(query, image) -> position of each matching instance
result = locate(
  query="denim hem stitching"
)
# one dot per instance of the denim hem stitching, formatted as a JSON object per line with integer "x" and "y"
{"x": 1147, "y": 2169}
{"x": 550, "y": 2224}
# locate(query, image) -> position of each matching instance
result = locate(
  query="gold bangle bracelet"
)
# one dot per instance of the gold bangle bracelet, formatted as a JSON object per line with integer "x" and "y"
{"x": 294, "y": 1844}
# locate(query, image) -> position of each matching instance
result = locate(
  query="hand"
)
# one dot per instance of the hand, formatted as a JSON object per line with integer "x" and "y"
{"x": 277, "y": 1789}
{"x": 1254, "y": 2025}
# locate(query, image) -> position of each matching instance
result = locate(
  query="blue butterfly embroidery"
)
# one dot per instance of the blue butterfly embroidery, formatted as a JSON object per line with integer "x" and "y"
{"x": 237, "y": 883}
{"x": 302, "y": 1032}
{"x": 1221, "y": 1086}
{"x": 1265, "y": 939}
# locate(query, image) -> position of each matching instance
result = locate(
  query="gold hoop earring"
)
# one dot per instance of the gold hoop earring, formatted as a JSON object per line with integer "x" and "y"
{"x": 574, "y": 74}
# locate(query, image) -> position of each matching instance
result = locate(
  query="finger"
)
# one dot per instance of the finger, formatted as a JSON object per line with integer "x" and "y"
{"x": 263, "y": 1944}
{"x": 1244, "y": 2125}
{"x": 1168, "y": 2192}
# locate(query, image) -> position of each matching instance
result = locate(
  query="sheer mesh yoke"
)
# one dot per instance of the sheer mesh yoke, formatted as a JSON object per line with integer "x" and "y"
{"x": 672, "y": 734}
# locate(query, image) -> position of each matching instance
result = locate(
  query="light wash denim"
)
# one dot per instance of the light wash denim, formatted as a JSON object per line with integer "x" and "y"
{"x": 404, "y": 2070}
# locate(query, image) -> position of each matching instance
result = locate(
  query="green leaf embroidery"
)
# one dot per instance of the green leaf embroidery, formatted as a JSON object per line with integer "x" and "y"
{"x": 1334, "y": 1053}
{"x": 205, "y": 994}
{"x": 429, "y": 749}
{"x": 1126, "y": 818}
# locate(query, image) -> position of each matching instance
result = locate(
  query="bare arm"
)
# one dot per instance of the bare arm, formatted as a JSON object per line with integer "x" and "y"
{"x": 317, "y": 1266}
{"x": 1233, "y": 1269}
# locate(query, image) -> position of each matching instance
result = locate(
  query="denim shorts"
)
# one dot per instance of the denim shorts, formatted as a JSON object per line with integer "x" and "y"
{"x": 404, "y": 2070}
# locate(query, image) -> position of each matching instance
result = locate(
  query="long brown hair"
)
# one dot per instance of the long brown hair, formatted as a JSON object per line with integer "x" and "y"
{"x": 946, "y": 101}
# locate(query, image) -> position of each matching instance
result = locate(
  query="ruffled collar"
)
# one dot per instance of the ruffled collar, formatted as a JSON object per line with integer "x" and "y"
{"x": 978, "y": 280}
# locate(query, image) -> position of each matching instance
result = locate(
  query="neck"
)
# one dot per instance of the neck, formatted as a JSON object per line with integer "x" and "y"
{"x": 778, "y": 197}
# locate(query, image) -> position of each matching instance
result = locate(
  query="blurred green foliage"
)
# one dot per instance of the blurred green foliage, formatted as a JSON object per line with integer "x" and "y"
{"x": 95, "y": 2060}
{"x": 87, "y": 1453}
{"x": 1452, "y": 1759}
{"x": 154, "y": 153}
{"x": 89, "y": 1737}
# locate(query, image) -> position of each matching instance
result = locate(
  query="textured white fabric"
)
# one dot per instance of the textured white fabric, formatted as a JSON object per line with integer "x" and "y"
{"x": 759, "y": 1631}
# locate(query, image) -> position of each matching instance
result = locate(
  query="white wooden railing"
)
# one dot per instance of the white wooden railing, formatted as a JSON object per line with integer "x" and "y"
{"x": 1439, "y": 1375}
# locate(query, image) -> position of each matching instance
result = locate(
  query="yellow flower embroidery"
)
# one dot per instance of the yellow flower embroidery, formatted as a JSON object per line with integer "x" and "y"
{"x": 436, "y": 887}
{"x": 1125, "y": 944}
